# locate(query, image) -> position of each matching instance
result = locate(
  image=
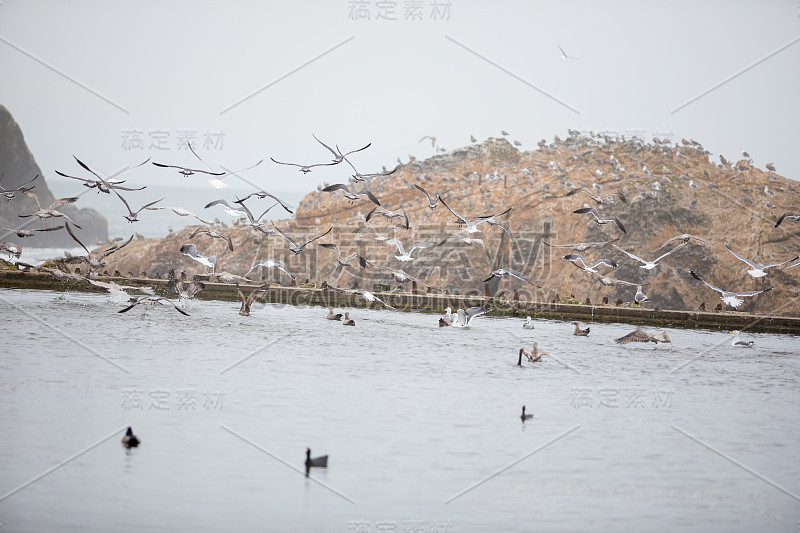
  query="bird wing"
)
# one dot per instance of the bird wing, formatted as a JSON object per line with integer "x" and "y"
{"x": 63, "y": 201}
{"x": 521, "y": 276}
{"x": 751, "y": 293}
{"x": 694, "y": 275}
{"x": 451, "y": 210}
{"x": 398, "y": 244}
{"x": 115, "y": 248}
{"x": 574, "y": 258}
{"x": 336, "y": 155}
{"x": 336, "y": 187}
{"x": 428, "y": 196}
{"x": 590, "y": 210}
{"x": 781, "y": 263}
{"x": 635, "y": 257}
{"x": 584, "y": 190}
{"x": 371, "y": 197}
{"x": 284, "y": 236}
{"x": 75, "y": 238}
{"x": 318, "y": 236}
{"x": 634, "y": 336}
{"x": 421, "y": 246}
{"x": 333, "y": 247}
{"x": 669, "y": 252}
{"x": 740, "y": 258}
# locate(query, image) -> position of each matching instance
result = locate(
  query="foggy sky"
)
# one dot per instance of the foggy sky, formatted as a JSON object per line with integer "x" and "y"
{"x": 102, "y": 71}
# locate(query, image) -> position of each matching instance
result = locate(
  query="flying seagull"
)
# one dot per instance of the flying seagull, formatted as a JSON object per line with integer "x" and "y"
{"x": 385, "y": 213}
{"x": 186, "y": 171}
{"x": 104, "y": 183}
{"x": 180, "y": 212}
{"x": 471, "y": 226}
{"x": 94, "y": 261}
{"x": 11, "y": 193}
{"x": 381, "y": 237}
{"x": 190, "y": 250}
{"x": 368, "y": 296}
{"x": 598, "y": 199}
{"x": 352, "y": 195}
{"x": 405, "y": 257}
{"x": 789, "y": 216}
{"x": 642, "y": 336}
{"x": 262, "y": 195}
{"x": 734, "y": 299}
{"x": 345, "y": 262}
{"x": 601, "y": 221}
{"x": 247, "y": 302}
{"x": 506, "y": 272}
{"x": 578, "y": 258}
{"x": 23, "y": 233}
{"x": 685, "y": 238}
{"x": 467, "y": 240}
{"x": 648, "y": 265}
{"x": 133, "y": 216}
{"x": 432, "y": 202}
{"x": 214, "y": 234}
{"x": 338, "y": 156}
{"x": 359, "y": 177}
{"x": 294, "y": 247}
{"x": 401, "y": 276}
{"x": 757, "y": 270}
{"x": 153, "y": 300}
{"x": 49, "y": 212}
{"x": 271, "y": 263}
{"x": 464, "y": 318}
{"x": 581, "y": 246}
{"x": 232, "y": 211}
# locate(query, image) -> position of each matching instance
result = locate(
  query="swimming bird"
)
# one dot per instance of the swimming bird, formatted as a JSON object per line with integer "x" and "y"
{"x": 467, "y": 240}
{"x": 385, "y": 213}
{"x": 316, "y": 462}
{"x": 186, "y": 171}
{"x": 352, "y": 195}
{"x": 734, "y": 299}
{"x": 214, "y": 234}
{"x": 190, "y": 250}
{"x": 406, "y": 256}
{"x": 49, "y": 212}
{"x": 787, "y": 216}
{"x": 525, "y": 417}
{"x": 271, "y": 263}
{"x": 757, "y": 270}
{"x": 11, "y": 193}
{"x": 564, "y": 54}
{"x": 348, "y": 321}
{"x": 448, "y": 318}
{"x": 581, "y": 246}
{"x": 332, "y": 315}
{"x": 130, "y": 440}
{"x": 528, "y": 323}
{"x": 244, "y": 310}
{"x": 506, "y": 272}
{"x": 578, "y": 258}
{"x": 580, "y": 332}
{"x": 471, "y": 226}
{"x": 649, "y": 265}
{"x": 601, "y": 221}
{"x": 739, "y": 343}
{"x": 227, "y": 277}
{"x": 533, "y": 356}
{"x": 346, "y": 261}
{"x": 642, "y": 336}
{"x": 432, "y": 202}
{"x": 153, "y": 300}
{"x": 598, "y": 199}
{"x": 368, "y": 296}
{"x": 685, "y": 238}
{"x": 295, "y": 247}
{"x": 464, "y": 318}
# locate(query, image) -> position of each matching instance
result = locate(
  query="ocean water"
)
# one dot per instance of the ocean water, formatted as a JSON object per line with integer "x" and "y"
{"x": 421, "y": 424}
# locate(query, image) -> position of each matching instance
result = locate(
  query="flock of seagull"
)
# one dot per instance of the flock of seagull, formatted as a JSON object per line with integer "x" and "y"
{"x": 466, "y": 226}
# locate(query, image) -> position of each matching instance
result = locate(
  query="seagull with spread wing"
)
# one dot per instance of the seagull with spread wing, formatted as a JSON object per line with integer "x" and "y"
{"x": 506, "y": 272}
{"x": 11, "y": 193}
{"x": 271, "y": 263}
{"x": 684, "y": 238}
{"x": 758, "y": 270}
{"x": 352, "y": 195}
{"x": 153, "y": 300}
{"x": 581, "y": 246}
{"x": 649, "y": 265}
{"x": 368, "y": 296}
{"x": 734, "y": 299}
{"x": 49, "y": 212}
{"x": 471, "y": 226}
{"x": 601, "y": 221}
{"x": 186, "y": 171}
{"x": 190, "y": 250}
{"x": 467, "y": 240}
{"x": 345, "y": 262}
{"x": 294, "y": 246}
{"x": 406, "y": 256}
{"x": 592, "y": 269}
{"x": 598, "y": 199}
{"x": 214, "y": 234}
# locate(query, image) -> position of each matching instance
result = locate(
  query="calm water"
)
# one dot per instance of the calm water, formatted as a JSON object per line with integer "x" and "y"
{"x": 410, "y": 414}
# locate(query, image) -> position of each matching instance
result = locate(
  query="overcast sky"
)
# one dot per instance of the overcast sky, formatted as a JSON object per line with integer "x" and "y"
{"x": 115, "y": 83}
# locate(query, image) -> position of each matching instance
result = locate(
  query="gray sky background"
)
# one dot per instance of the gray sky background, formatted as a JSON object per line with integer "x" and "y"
{"x": 199, "y": 66}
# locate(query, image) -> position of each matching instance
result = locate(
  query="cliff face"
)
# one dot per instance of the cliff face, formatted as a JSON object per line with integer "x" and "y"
{"x": 18, "y": 166}
{"x": 679, "y": 192}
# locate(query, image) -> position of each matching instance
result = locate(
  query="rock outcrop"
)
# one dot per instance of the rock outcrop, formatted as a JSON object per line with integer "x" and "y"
{"x": 670, "y": 190}
{"x": 18, "y": 166}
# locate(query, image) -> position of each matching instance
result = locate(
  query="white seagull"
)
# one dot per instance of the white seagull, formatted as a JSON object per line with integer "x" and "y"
{"x": 734, "y": 299}
{"x": 648, "y": 265}
{"x": 757, "y": 270}
{"x": 190, "y": 250}
{"x": 601, "y": 221}
{"x": 405, "y": 257}
{"x": 740, "y": 343}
